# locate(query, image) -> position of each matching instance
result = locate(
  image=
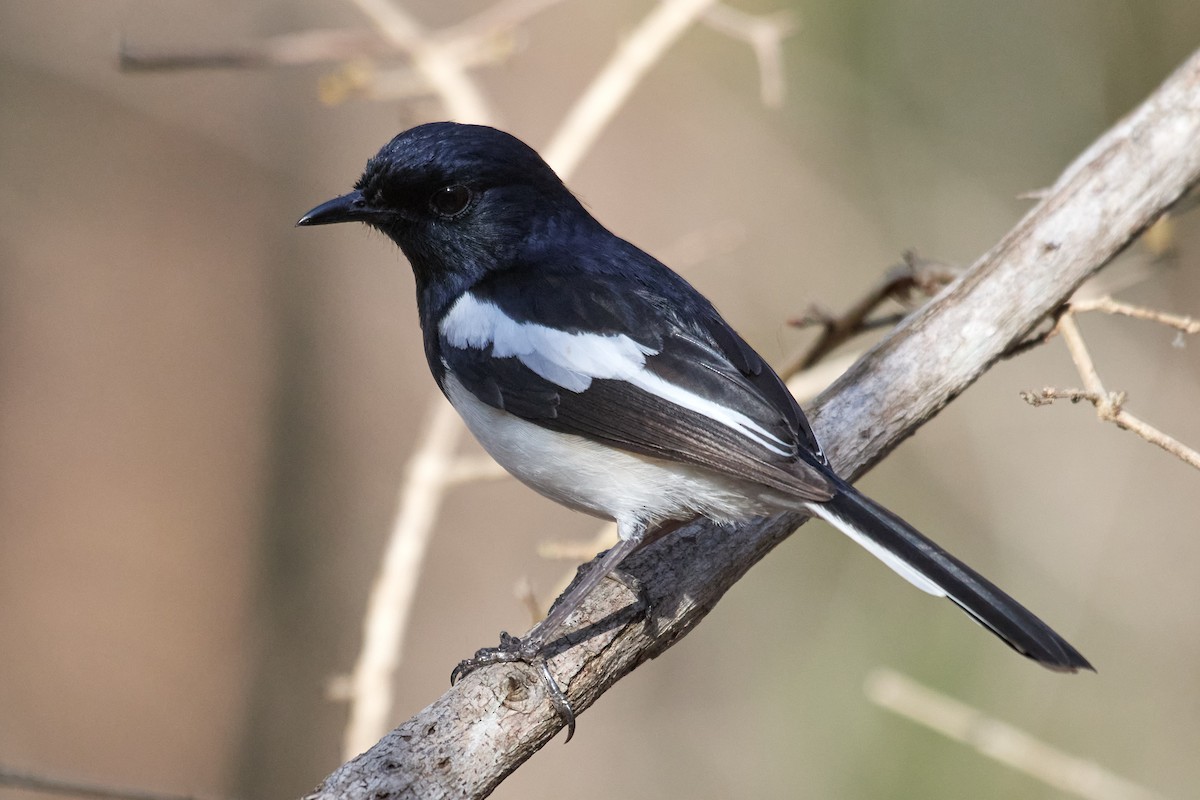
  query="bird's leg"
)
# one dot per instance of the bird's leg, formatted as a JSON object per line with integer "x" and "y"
{"x": 529, "y": 648}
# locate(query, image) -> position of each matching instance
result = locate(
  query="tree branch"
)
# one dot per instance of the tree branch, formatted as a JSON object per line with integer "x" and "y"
{"x": 479, "y": 731}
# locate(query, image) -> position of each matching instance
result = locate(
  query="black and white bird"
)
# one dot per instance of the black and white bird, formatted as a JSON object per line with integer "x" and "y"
{"x": 602, "y": 379}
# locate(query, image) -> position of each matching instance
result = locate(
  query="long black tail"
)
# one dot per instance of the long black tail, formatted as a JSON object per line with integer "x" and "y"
{"x": 933, "y": 570}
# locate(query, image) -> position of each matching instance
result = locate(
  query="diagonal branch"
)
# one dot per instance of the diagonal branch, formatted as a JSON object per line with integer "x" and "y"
{"x": 468, "y": 740}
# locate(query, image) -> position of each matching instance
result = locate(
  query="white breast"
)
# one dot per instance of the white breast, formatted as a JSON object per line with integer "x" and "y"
{"x": 601, "y": 480}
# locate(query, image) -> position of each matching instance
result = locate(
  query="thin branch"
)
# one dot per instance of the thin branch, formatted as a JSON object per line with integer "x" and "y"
{"x": 913, "y": 273}
{"x": 468, "y": 740}
{"x": 482, "y": 39}
{"x": 998, "y": 740}
{"x": 446, "y": 74}
{"x": 39, "y": 783}
{"x": 1110, "y": 405}
{"x": 617, "y": 79}
{"x": 765, "y": 34}
{"x": 1108, "y": 305}
{"x": 289, "y": 49}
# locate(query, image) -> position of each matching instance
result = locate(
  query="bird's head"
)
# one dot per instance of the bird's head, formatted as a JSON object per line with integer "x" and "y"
{"x": 459, "y": 200}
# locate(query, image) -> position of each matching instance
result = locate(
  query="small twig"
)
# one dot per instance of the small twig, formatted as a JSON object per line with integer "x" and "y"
{"x": 447, "y": 76}
{"x": 1080, "y": 355}
{"x": 913, "y": 273}
{"x": 1049, "y": 394}
{"x": 1108, "y": 305}
{"x": 1110, "y": 405}
{"x": 38, "y": 783}
{"x": 285, "y": 50}
{"x": 998, "y": 740}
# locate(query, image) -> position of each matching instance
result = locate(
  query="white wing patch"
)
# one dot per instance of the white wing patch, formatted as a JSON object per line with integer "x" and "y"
{"x": 570, "y": 360}
{"x": 574, "y": 360}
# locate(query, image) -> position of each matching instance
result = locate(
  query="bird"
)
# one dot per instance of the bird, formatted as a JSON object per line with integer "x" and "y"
{"x": 605, "y": 381}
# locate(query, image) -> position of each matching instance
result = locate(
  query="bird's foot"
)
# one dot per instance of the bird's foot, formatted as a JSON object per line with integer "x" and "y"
{"x": 528, "y": 651}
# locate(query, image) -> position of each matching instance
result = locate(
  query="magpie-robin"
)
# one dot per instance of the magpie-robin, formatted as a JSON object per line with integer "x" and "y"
{"x": 600, "y": 378}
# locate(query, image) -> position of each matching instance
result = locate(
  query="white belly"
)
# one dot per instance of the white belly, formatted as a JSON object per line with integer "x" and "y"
{"x": 601, "y": 480}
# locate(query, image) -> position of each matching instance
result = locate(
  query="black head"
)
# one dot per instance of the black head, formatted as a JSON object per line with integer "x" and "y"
{"x": 460, "y": 200}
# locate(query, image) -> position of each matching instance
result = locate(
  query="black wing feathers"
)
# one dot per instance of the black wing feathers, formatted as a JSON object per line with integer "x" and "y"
{"x": 765, "y": 380}
{"x": 699, "y": 354}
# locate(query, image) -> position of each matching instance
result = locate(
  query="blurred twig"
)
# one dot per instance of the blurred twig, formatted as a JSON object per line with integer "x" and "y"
{"x": 389, "y": 606}
{"x": 998, "y": 740}
{"x": 437, "y": 62}
{"x": 765, "y": 34}
{"x": 39, "y": 783}
{"x": 611, "y": 87}
{"x": 289, "y": 49}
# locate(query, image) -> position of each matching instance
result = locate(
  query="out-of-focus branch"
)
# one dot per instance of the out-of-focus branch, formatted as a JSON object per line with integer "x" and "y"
{"x": 369, "y": 687}
{"x": 437, "y": 63}
{"x": 487, "y": 37}
{"x": 998, "y": 740}
{"x": 29, "y": 782}
{"x": 640, "y": 51}
{"x": 390, "y": 603}
{"x": 765, "y": 34}
{"x": 289, "y": 49}
{"x": 467, "y": 741}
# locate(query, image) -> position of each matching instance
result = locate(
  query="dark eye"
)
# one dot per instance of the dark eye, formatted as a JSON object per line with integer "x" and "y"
{"x": 450, "y": 201}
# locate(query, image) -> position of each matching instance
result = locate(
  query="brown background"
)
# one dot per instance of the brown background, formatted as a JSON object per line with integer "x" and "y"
{"x": 205, "y": 413}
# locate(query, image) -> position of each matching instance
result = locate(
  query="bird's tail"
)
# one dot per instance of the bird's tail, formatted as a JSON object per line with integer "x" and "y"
{"x": 930, "y": 568}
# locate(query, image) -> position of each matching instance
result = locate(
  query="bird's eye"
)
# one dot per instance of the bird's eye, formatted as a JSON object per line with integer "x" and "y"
{"x": 450, "y": 201}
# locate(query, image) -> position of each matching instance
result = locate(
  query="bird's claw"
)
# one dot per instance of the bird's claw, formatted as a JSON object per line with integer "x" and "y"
{"x": 512, "y": 649}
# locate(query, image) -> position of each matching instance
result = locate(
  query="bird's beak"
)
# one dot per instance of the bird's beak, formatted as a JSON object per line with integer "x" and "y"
{"x": 347, "y": 208}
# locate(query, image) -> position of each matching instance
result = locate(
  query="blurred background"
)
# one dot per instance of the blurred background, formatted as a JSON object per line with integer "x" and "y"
{"x": 205, "y": 414}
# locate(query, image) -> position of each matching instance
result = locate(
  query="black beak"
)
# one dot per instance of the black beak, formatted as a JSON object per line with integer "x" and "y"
{"x": 347, "y": 208}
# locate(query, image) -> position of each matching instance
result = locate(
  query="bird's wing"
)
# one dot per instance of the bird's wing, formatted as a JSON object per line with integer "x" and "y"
{"x": 614, "y": 363}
